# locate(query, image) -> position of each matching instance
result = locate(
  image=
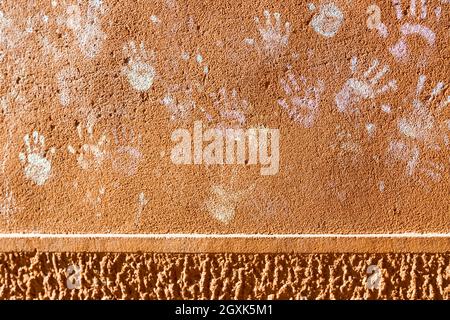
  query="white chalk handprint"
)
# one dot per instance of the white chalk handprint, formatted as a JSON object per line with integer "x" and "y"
{"x": 91, "y": 154}
{"x": 415, "y": 165}
{"x": 180, "y": 98}
{"x": 410, "y": 27}
{"x": 422, "y": 130}
{"x": 87, "y": 28}
{"x": 363, "y": 86}
{"x": 223, "y": 201}
{"x": 274, "y": 35}
{"x": 421, "y": 124}
{"x": 328, "y": 21}
{"x": 179, "y": 101}
{"x": 126, "y": 156}
{"x": 301, "y": 102}
{"x": 232, "y": 109}
{"x": 416, "y": 22}
{"x": 37, "y": 166}
{"x": 139, "y": 72}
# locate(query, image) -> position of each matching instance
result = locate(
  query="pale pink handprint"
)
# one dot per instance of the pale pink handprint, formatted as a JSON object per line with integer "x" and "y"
{"x": 302, "y": 100}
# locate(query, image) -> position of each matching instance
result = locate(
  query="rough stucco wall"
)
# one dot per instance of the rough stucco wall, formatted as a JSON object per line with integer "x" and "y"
{"x": 224, "y": 276}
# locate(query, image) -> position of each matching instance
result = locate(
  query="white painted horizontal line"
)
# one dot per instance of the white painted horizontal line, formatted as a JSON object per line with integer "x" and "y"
{"x": 218, "y": 236}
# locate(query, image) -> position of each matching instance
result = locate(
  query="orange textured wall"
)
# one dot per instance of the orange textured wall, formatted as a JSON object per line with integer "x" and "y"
{"x": 115, "y": 122}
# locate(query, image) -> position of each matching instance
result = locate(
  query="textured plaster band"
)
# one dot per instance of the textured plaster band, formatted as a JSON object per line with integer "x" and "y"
{"x": 95, "y": 96}
{"x": 37, "y": 275}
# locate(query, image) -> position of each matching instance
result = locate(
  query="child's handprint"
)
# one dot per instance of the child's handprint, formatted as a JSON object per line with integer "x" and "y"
{"x": 274, "y": 37}
{"x": 413, "y": 23}
{"x": 422, "y": 130}
{"x": 91, "y": 154}
{"x": 126, "y": 155}
{"x": 362, "y": 86}
{"x": 328, "y": 21}
{"x": 139, "y": 72}
{"x": 37, "y": 166}
{"x": 87, "y": 28}
{"x": 301, "y": 102}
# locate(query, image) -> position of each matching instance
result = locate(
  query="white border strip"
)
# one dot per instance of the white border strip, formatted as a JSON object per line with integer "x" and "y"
{"x": 218, "y": 236}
